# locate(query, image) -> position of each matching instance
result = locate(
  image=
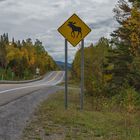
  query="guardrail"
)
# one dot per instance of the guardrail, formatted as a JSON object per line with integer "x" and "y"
{"x": 20, "y": 82}
{"x": 23, "y": 81}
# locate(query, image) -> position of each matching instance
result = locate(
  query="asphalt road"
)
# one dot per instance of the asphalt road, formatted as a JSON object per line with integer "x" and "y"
{"x": 18, "y": 101}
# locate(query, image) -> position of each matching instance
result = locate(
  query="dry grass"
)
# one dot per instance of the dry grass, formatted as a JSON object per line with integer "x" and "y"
{"x": 53, "y": 122}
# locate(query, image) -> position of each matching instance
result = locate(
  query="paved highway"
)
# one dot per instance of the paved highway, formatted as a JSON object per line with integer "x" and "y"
{"x": 18, "y": 101}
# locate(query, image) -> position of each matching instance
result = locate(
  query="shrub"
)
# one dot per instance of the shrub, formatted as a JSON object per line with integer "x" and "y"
{"x": 128, "y": 98}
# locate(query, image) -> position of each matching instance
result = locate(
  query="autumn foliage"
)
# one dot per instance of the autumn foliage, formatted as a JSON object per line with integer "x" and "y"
{"x": 112, "y": 66}
{"x": 22, "y": 58}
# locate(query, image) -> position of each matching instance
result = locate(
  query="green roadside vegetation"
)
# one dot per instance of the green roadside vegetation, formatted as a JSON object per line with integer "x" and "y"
{"x": 101, "y": 120}
{"x": 20, "y": 59}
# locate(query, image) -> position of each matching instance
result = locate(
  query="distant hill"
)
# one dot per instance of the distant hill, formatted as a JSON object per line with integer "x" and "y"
{"x": 62, "y": 64}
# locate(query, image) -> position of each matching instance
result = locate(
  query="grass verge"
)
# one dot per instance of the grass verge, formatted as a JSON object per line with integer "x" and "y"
{"x": 52, "y": 122}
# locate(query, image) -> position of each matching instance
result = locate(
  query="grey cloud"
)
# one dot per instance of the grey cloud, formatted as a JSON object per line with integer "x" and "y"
{"x": 40, "y": 19}
{"x": 109, "y": 22}
{"x": 2, "y": 0}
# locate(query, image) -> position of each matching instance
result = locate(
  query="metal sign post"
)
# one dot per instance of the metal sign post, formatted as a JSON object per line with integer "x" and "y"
{"x": 66, "y": 74}
{"x": 82, "y": 75}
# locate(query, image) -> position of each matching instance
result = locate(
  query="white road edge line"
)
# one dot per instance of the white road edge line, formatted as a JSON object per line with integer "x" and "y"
{"x": 14, "y": 89}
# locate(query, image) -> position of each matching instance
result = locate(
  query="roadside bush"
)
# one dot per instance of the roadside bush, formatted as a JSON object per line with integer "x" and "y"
{"x": 27, "y": 74}
{"x": 128, "y": 98}
{"x": 8, "y": 74}
{"x": 1, "y": 74}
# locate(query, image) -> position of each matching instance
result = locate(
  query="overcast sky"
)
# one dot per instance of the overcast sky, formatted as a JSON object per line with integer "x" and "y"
{"x": 40, "y": 19}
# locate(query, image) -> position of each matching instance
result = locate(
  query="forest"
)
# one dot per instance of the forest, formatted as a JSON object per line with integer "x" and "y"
{"x": 19, "y": 59}
{"x": 112, "y": 66}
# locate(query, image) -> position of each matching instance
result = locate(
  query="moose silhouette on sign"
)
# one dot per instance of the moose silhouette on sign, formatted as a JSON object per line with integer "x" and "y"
{"x": 75, "y": 29}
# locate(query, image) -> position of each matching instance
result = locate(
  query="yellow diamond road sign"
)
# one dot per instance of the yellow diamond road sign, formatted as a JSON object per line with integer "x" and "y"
{"x": 74, "y": 30}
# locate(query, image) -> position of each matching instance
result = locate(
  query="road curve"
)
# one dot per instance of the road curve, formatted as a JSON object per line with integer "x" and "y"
{"x": 18, "y": 101}
{"x": 51, "y": 79}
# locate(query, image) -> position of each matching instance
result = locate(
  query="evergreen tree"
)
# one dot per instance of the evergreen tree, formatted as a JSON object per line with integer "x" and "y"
{"x": 126, "y": 40}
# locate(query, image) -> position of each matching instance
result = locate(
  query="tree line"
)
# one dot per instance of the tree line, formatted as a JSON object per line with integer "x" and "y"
{"x": 19, "y": 59}
{"x": 112, "y": 66}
